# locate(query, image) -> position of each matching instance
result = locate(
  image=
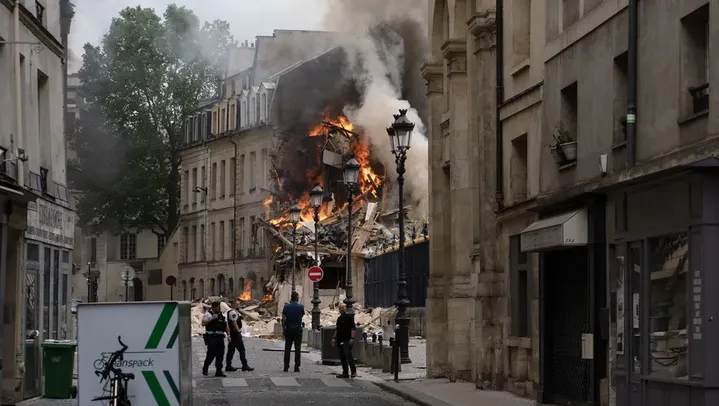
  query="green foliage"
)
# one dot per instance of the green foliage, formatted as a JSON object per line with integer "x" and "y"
{"x": 139, "y": 84}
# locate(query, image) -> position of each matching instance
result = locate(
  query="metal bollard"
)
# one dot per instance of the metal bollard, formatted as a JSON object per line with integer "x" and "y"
{"x": 364, "y": 336}
{"x": 391, "y": 347}
{"x": 395, "y": 354}
{"x": 374, "y": 337}
{"x": 379, "y": 338}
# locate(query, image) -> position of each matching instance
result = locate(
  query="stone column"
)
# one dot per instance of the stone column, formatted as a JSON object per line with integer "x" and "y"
{"x": 460, "y": 301}
{"x": 440, "y": 238}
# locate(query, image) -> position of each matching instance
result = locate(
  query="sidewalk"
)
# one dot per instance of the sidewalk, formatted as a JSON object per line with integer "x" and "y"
{"x": 414, "y": 386}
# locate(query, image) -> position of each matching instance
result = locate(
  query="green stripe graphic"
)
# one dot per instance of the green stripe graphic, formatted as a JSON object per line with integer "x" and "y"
{"x": 155, "y": 388}
{"x": 160, "y": 326}
{"x": 173, "y": 337}
{"x": 174, "y": 387}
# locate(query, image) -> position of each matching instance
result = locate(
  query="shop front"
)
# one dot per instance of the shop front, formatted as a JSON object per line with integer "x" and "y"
{"x": 663, "y": 250}
{"x": 571, "y": 246}
{"x": 49, "y": 239}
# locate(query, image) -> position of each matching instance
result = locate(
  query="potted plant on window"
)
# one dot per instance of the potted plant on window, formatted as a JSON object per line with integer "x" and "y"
{"x": 564, "y": 148}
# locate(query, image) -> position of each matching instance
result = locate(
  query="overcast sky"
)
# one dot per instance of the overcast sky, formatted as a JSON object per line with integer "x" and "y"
{"x": 247, "y": 18}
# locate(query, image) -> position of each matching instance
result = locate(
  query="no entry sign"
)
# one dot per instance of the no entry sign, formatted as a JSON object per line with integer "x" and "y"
{"x": 315, "y": 274}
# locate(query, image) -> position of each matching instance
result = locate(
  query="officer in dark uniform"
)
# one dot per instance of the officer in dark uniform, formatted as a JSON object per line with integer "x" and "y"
{"x": 234, "y": 320}
{"x": 215, "y": 330}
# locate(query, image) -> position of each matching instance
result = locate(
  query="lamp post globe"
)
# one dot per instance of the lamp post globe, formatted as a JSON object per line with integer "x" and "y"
{"x": 402, "y": 132}
{"x": 351, "y": 172}
{"x": 295, "y": 214}
{"x": 316, "y": 196}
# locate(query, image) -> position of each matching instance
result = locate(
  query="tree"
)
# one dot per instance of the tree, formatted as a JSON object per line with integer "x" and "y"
{"x": 147, "y": 75}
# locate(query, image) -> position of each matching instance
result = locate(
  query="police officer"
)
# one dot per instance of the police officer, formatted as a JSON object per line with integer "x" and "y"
{"x": 235, "y": 324}
{"x": 215, "y": 328}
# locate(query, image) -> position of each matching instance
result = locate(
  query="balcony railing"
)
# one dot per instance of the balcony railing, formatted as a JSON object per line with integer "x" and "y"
{"x": 252, "y": 253}
{"x": 700, "y": 98}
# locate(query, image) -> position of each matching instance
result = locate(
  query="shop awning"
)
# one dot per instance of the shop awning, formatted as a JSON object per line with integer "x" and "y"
{"x": 564, "y": 230}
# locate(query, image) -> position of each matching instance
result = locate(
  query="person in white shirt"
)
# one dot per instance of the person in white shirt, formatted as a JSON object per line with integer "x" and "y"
{"x": 215, "y": 329}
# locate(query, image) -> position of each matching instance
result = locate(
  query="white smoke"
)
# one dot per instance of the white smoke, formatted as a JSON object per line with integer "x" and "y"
{"x": 378, "y": 68}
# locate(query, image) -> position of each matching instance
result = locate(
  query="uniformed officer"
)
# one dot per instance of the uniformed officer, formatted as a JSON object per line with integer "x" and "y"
{"x": 234, "y": 319}
{"x": 215, "y": 329}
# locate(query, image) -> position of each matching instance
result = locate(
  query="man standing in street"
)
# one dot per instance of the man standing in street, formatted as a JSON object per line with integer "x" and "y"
{"x": 292, "y": 315}
{"x": 235, "y": 325}
{"x": 344, "y": 338}
{"x": 215, "y": 329}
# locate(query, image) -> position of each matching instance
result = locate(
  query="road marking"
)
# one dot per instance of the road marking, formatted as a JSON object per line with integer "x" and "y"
{"x": 285, "y": 381}
{"x": 234, "y": 382}
{"x": 336, "y": 383}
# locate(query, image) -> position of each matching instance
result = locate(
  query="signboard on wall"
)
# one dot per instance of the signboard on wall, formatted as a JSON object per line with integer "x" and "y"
{"x": 50, "y": 223}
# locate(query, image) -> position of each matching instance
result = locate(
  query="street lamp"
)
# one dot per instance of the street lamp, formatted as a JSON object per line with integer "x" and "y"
{"x": 351, "y": 173}
{"x": 400, "y": 135}
{"x": 316, "y": 196}
{"x": 294, "y": 218}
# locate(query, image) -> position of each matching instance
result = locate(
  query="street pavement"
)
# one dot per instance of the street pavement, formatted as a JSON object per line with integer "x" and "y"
{"x": 268, "y": 385}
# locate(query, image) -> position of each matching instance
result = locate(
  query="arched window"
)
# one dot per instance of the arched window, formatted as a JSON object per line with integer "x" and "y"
{"x": 212, "y": 286}
{"x": 193, "y": 291}
{"x": 201, "y": 289}
{"x": 184, "y": 290}
{"x": 221, "y": 282}
{"x": 231, "y": 287}
{"x": 263, "y": 107}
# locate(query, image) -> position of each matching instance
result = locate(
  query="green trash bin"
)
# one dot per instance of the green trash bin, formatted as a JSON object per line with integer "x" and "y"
{"x": 59, "y": 362}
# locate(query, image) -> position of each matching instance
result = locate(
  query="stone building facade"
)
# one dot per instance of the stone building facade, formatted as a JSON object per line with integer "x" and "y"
{"x": 581, "y": 289}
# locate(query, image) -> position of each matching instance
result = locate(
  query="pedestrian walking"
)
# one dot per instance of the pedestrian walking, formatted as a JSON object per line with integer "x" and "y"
{"x": 234, "y": 319}
{"x": 344, "y": 339}
{"x": 215, "y": 329}
{"x": 292, "y": 315}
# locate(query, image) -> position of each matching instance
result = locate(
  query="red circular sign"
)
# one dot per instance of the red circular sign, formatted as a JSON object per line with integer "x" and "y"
{"x": 315, "y": 274}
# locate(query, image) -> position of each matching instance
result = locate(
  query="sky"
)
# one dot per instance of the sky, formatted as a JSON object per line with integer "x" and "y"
{"x": 247, "y": 18}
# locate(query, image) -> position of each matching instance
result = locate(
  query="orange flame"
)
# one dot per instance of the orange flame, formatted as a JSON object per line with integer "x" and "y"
{"x": 247, "y": 293}
{"x": 268, "y": 297}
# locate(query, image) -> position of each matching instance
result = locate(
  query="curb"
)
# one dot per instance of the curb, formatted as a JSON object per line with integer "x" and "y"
{"x": 410, "y": 394}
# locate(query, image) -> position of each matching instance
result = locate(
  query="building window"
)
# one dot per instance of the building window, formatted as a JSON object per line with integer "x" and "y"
{"x": 518, "y": 169}
{"x": 222, "y": 240}
{"x": 213, "y": 181}
{"x": 44, "y": 180}
{"x": 570, "y": 13}
{"x": 233, "y": 176}
{"x": 154, "y": 277}
{"x": 521, "y": 26}
{"x": 520, "y": 273}
{"x": 203, "y": 181}
{"x": 193, "y": 290}
{"x": 241, "y": 242}
{"x": 128, "y": 246}
{"x": 40, "y": 12}
{"x": 93, "y": 250}
{"x": 242, "y": 174}
{"x": 194, "y": 188}
{"x": 223, "y": 178}
{"x": 570, "y": 110}
{"x": 620, "y": 97}
{"x": 695, "y": 59}
{"x": 233, "y": 238}
{"x": 253, "y": 163}
{"x": 161, "y": 241}
{"x": 193, "y": 244}
{"x": 668, "y": 267}
{"x": 263, "y": 168}
{"x": 186, "y": 245}
{"x": 212, "y": 242}
{"x": 214, "y": 122}
{"x": 203, "y": 253}
{"x": 188, "y": 190}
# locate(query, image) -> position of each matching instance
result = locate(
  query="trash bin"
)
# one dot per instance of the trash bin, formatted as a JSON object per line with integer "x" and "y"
{"x": 329, "y": 353}
{"x": 59, "y": 361}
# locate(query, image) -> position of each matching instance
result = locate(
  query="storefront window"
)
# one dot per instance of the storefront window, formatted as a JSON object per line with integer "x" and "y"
{"x": 635, "y": 282}
{"x": 668, "y": 264}
{"x": 47, "y": 267}
{"x": 55, "y": 292}
{"x": 63, "y": 303}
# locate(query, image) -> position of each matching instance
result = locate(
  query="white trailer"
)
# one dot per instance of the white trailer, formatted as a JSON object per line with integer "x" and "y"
{"x": 159, "y": 354}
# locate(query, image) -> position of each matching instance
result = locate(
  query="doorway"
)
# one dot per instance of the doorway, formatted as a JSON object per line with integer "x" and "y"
{"x": 567, "y": 315}
{"x": 31, "y": 379}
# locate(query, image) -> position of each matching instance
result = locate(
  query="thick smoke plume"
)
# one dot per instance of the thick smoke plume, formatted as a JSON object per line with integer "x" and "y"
{"x": 386, "y": 42}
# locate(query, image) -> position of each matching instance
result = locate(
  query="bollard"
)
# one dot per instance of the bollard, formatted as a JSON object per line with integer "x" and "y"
{"x": 374, "y": 337}
{"x": 391, "y": 347}
{"x": 395, "y": 354}
{"x": 379, "y": 338}
{"x": 364, "y": 336}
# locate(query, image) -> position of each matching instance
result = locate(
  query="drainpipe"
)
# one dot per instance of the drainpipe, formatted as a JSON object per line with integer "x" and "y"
{"x": 632, "y": 85}
{"x": 499, "y": 49}
{"x": 18, "y": 92}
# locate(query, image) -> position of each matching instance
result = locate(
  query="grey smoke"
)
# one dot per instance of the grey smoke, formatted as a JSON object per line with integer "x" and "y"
{"x": 386, "y": 41}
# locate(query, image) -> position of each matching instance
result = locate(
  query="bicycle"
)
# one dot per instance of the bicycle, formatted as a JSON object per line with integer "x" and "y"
{"x": 118, "y": 381}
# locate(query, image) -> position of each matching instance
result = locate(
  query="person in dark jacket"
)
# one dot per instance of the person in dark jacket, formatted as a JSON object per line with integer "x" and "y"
{"x": 292, "y": 315}
{"x": 215, "y": 330}
{"x": 344, "y": 339}
{"x": 234, "y": 321}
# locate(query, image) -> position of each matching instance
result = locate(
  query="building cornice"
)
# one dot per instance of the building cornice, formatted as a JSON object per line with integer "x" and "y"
{"x": 455, "y": 53}
{"x": 483, "y": 26}
{"x": 433, "y": 76}
{"x": 41, "y": 33}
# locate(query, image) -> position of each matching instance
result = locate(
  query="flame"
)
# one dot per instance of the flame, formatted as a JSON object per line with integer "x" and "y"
{"x": 268, "y": 297}
{"x": 247, "y": 293}
{"x": 368, "y": 180}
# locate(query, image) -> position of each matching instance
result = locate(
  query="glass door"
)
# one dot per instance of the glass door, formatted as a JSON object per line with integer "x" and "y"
{"x": 31, "y": 379}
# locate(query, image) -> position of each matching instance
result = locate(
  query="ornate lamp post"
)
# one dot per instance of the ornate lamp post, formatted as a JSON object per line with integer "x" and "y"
{"x": 351, "y": 173}
{"x": 400, "y": 135}
{"x": 294, "y": 218}
{"x": 316, "y": 196}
